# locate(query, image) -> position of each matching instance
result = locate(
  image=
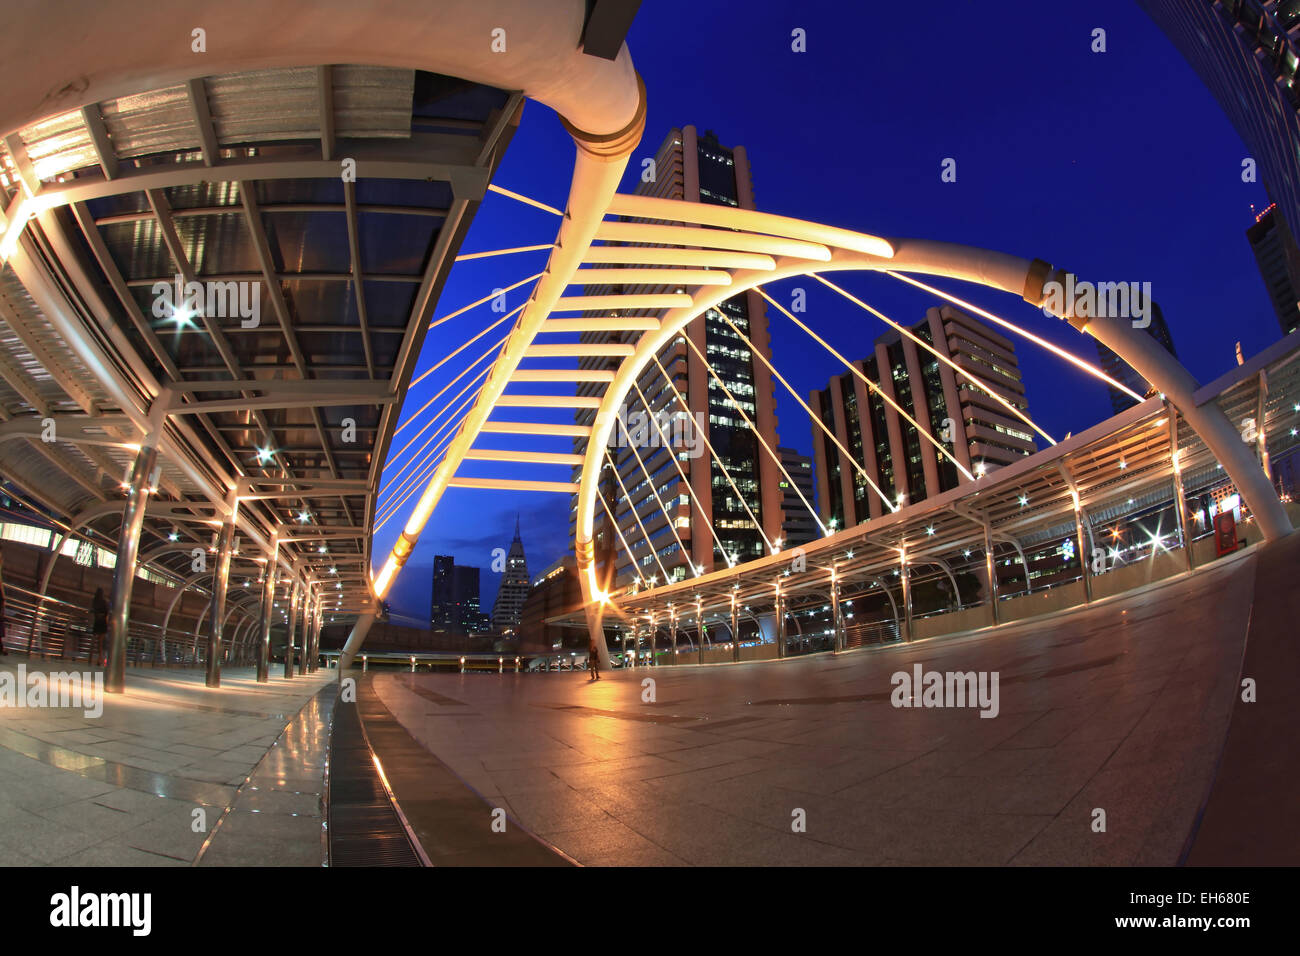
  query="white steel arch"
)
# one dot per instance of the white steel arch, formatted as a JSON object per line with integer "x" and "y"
{"x": 1022, "y": 277}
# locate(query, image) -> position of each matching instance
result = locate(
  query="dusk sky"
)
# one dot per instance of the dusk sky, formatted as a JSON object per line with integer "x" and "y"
{"x": 1079, "y": 158}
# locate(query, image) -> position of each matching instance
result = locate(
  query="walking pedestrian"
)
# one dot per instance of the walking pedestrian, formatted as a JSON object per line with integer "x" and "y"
{"x": 593, "y": 662}
{"x": 99, "y": 627}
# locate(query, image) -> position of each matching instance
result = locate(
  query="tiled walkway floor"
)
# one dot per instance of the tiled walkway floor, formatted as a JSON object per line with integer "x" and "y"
{"x": 123, "y": 788}
{"x": 1121, "y": 707}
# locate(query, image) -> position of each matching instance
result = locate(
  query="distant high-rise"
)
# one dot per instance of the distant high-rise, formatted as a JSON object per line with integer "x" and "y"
{"x": 799, "y": 526}
{"x": 976, "y": 429}
{"x": 1278, "y": 259}
{"x": 514, "y": 587}
{"x": 454, "y": 607}
{"x": 743, "y": 503}
{"x": 1121, "y": 371}
{"x": 1246, "y": 54}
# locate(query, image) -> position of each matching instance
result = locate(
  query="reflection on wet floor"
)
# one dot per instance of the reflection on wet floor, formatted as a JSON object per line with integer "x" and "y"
{"x": 124, "y": 788}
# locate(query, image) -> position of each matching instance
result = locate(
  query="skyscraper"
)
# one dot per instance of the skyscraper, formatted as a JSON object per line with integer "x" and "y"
{"x": 514, "y": 587}
{"x": 1278, "y": 259}
{"x": 974, "y": 428}
{"x": 455, "y": 598}
{"x": 441, "y": 616}
{"x": 671, "y": 519}
{"x": 1244, "y": 52}
{"x": 1121, "y": 371}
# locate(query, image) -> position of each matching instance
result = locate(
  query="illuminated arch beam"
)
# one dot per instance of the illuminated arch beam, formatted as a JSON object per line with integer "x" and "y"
{"x": 996, "y": 270}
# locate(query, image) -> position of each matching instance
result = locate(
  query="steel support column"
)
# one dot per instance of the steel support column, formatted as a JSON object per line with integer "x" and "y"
{"x": 1261, "y": 433}
{"x": 128, "y": 547}
{"x": 779, "y": 612}
{"x": 699, "y": 632}
{"x": 837, "y": 611}
{"x": 220, "y": 583}
{"x": 295, "y": 602}
{"x": 991, "y": 569}
{"x": 735, "y": 633}
{"x": 268, "y": 605}
{"x": 905, "y": 575}
{"x": 308, "y": 621}
{"x": 313, "y": 649}
{"x": 1180, "y": 499}
{"x": 1081, "y": 544}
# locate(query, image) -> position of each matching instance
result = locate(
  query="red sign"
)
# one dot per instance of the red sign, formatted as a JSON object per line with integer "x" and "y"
{"x": 1225, "y": 533}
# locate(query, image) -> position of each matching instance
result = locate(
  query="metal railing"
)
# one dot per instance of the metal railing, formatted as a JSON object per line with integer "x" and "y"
{"x": 50, "y": 627}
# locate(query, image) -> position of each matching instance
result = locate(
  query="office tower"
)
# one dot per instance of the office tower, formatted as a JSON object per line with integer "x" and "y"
{"x": 798, "y": 526}
{"x": 440, "y": 596}
{"x": 455, "y": 598}
{"x": 741, "y": 504}
{"x": 976, "y": 429}
{"x": 1245, "y": 54}
{"x": 1278, "y": 259}
{"x": 514, "y": 587}
{"x": 1121, "y": 371}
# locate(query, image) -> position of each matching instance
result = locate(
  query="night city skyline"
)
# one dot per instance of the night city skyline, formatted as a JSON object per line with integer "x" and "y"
{"x": 468, "y": 435}
{"x": 1082, "y": 166}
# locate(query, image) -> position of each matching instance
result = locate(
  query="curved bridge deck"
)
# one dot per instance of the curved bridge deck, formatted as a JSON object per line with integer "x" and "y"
{"x": 1123, "y": 707}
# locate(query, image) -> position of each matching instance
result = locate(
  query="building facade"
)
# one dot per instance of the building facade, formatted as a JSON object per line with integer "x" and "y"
{"x": 514, "y": 588}
{"x": 677, "y": 510}
{"x": 798, "y": 525}
{"x": 1274, "y": 245}
{"x": 555, "y": 592}
{"x": 974, "y": 428}
{"x": 1247, "y": 54}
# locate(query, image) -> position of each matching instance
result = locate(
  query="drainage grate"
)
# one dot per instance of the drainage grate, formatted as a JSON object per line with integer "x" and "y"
{"x": 364, "y": 829}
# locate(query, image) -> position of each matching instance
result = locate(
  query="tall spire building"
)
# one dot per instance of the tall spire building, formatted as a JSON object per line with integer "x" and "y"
{"x": 514, "y": 587}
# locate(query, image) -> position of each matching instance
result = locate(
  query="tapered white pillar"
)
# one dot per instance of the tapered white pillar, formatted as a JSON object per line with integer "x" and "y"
{"x": 268, "y": 605}
{"x": 128, "y": 549}
{"x": 295, "y": 602}
{"x": 220, "y": 584}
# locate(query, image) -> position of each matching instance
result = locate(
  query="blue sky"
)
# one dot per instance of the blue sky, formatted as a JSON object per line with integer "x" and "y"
{"x": 1116, "y": 165}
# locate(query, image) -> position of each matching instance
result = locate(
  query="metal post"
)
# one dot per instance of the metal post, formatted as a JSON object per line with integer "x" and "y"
{"x": 991, "y": 568}
{"x": 735, "y": 635}
{"x": 1180, "y": 499}
{"x": 315, "y": 638}
{"x": 128, "y": 547}
{"x": 295, "y": 601}
{"x": 268, "y": 604}
{"x": 1081, "y": 544}
{"x": 672, "y": 618}
{"x": 837, "y": 612}
{"x": 308, "y": 621}
{"x": 699, "y": 631}
{"x": 906, "y": 577}
{"x": 1261, "y": 434}
{"x": 779, "y": 611}
{"x": 220, "y": 583}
